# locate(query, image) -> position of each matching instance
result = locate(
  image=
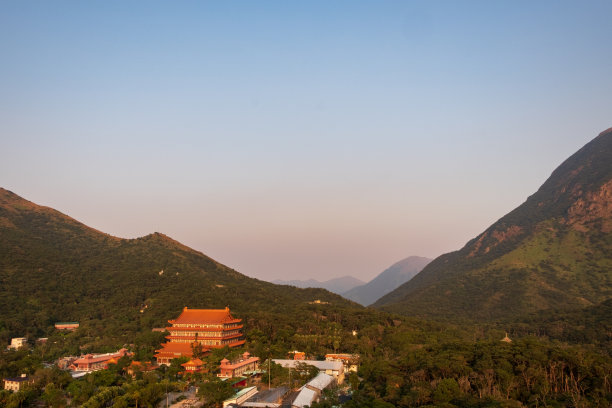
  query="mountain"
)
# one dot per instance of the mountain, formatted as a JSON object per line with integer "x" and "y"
{"x": 336, "y": 285}
{"x": 386, "y": 281}
{"x": 553, "y": 253}
{"x": 54, "y": 268}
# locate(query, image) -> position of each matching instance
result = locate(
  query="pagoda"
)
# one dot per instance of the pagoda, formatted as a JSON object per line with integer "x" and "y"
{"x": 210, "y": 328}
{"x": 193, "y": 366}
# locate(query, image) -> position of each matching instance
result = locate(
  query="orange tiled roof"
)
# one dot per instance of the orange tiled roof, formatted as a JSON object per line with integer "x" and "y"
{"x": 173, "y": 347}
{"x": 204, "y": 316}
{"x": 195, "y": 362}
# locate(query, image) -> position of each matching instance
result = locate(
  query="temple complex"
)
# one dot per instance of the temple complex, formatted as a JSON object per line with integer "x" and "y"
{"x": 210, "y": 328}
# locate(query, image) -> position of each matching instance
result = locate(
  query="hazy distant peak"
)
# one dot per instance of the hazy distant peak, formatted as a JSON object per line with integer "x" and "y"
{"x": 388, "y": 280}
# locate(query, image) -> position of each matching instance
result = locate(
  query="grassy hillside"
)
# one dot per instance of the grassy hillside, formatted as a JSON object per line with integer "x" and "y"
{"x": 554, "y": 252}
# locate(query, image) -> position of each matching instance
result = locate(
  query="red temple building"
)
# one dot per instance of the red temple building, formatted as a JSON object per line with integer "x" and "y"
{"x": 211, "y": 328}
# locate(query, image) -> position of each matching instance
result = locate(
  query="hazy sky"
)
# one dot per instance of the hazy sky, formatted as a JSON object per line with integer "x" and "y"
{"x": 298, "y": 139}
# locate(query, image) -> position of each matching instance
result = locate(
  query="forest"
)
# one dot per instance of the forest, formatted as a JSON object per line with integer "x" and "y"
{"x": 404, "y": 362}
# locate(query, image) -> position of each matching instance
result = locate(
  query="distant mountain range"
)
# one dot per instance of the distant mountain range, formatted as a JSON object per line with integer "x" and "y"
{"x": 552, "y": 254}
{"x": 387, "y": 280}
{"x": 336, "y": 285}
{"x": 366, "y": 293}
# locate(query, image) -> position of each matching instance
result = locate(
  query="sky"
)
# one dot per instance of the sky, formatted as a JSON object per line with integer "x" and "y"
{"x": 295, "y": 140}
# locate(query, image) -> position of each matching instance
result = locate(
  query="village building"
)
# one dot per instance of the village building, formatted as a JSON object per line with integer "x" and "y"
{"x": 95, "y": 362}
{"x": 333, "y": 368}
{"x": 298, "y": 355}
{"x": 311, "y": 392}
{"x": 69, "y": 326}
{"x": 18, "y": 342}
{"x": 243, "y": 366}
{"x": 210, "y": 328}
{"x": 350, "y": 361}
{"x": 318, "y": 302}
{"x": 17, "y": 383}
{"x": 64, "y": 363}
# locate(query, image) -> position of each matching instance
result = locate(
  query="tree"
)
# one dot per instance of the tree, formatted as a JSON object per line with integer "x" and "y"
{"x": 354, "y": 381}
{"x": 53, "y": 396}
{"x": 196, "y": 348}
{"x": 175, "y": 367}
{"x": 446, "y": 390}
{"x": 215, "y": 391}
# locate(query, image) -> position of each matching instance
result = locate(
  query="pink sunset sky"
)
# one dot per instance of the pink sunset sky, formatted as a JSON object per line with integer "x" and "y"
{"x": 298, "y": 140}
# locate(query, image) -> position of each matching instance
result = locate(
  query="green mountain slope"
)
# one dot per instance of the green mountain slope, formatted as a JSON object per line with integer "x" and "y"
{"x": 53, "y": 268}
{"x": 553, "y": 253}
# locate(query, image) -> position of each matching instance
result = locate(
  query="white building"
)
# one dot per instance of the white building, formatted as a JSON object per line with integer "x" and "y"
{"x": 18, "y": 342}
{"x": 350, "y": 361}
{"x": 16, "y": 384}
{"x": 311, "y": 392}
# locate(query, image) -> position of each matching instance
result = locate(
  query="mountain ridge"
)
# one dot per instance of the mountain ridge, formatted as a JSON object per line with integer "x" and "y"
{"x": 551, "y": 252}
{"x": 55, "y": 268}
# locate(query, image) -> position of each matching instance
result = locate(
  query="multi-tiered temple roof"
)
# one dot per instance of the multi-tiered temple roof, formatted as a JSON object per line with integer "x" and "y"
{"x": 210, "y": 328}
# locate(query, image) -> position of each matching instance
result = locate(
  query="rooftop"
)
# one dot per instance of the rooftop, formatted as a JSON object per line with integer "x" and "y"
{"x": 95, "y": 358}
{"x": 204, "y": 316}
{"x": 196, "y": 362}
{"x": 305, "y": 397}
{"x": 226, "y": 364}
{"x": 269, "y": 396}
{"x": 321, "y": 381}
{"x": 243, "y": 391}
{"x": 17, "y": 379}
